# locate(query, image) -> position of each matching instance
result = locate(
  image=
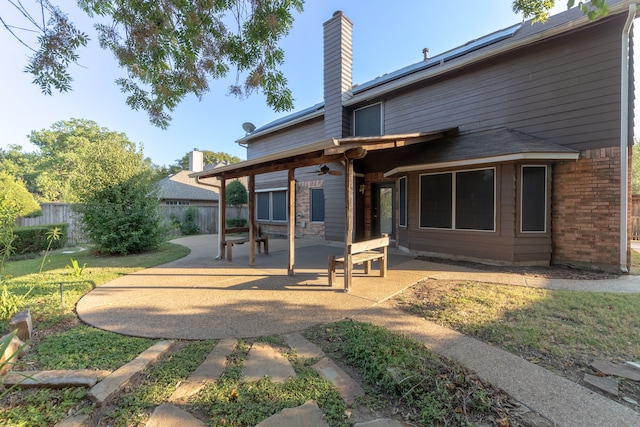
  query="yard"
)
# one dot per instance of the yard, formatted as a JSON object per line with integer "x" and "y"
{"x": 562, "y": 331}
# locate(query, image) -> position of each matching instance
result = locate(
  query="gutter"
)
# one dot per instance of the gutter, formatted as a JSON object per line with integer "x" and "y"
{"x": 219, "y": 256}
{"x": 624, "y": 139}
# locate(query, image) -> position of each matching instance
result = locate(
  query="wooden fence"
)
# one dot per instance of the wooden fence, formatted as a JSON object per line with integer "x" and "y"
{"x": 206, "y": 218}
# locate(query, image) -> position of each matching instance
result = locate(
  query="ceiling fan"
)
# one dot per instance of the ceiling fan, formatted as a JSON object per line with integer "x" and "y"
{"x": 325, "y": 170}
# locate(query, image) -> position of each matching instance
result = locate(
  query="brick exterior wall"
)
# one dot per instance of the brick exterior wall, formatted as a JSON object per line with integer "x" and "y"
{"x": 586, "y": 210}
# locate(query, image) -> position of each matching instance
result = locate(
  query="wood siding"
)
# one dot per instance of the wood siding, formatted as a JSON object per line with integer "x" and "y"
{"x": 566, "y": 90}
{"x": 295, "y": 136}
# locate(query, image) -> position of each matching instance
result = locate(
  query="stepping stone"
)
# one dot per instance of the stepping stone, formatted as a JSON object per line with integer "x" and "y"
{"x": 167, "y": 415}
{"x": 11, "y": 353}
{"x": 22, "y": 324}
{"x": 264, "y": 360}
{"x": 603, "y": 383}
{"x": 347, "y": 387}
{"x": 304, "y": 349}
{"x": 110, "y": 387}
{"x": 308, "y": 415}
{"x": 383, "y": 422}
{"x": 209, "y": 371}
{"x": 56, "y": 379}
{"x": 75, "y": 421}
{"x": 624, "y": 371}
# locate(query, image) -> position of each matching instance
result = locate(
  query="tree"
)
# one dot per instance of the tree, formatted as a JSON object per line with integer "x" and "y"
{"x": 123, "y": 218}
{"x": 78, "y": 158}
{"x": 635, "y": 169}
{"x": 15, "y": 199}
{"x": 173, "y": 48}
{"x": 236, "y": 195}
{"x": 539, "y": 9}
{"x": 170, "y": 48}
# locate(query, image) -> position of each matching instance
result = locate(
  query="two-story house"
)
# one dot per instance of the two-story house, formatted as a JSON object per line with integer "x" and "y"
{"x": 511, "y": 149}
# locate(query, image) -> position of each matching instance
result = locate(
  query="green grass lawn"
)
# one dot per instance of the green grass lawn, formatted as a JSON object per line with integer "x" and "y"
{"x": 25, "y": 286}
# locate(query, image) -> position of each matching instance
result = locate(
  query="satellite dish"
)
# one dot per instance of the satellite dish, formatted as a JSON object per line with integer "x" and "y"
{"x": 248, "y": 127}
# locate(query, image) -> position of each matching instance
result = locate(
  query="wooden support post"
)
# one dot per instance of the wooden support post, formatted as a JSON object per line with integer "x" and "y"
{"x": 222, "y": 212}
{"x": 252, "y": 220}
{"x": 291, "y": 214}
{"x": 348, "y": 232}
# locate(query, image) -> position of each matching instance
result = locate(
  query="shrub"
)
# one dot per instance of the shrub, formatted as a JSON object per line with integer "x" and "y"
{"x": 124, "y": 218}
{"x": 33, "y": 239}
{"x": 236, "y": 222}
{"x": 188, "y": 226}
{"x": 236, "y": 195}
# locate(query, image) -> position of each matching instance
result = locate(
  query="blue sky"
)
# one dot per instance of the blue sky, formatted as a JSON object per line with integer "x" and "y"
{"x": 387, "y": 36}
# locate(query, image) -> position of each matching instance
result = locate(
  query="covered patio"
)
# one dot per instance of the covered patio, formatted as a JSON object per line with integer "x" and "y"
{"x": 335, "y": 150}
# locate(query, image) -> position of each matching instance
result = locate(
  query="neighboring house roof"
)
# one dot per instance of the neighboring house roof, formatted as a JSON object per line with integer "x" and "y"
{"x": 483, "y": 48}
{"x": 181, "y": 187}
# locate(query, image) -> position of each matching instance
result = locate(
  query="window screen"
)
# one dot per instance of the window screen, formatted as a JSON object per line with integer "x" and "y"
{"x": 279, "y": 206}
{"x": 317, "y": 204}
{"x": 367, "y": 121}
{"x": 263, "y": 206}
{"x": 402, "y": 190}
{"x": 435, "y": 200}
{"x": 534, "y": 198}
{"x": 475, "y": 200}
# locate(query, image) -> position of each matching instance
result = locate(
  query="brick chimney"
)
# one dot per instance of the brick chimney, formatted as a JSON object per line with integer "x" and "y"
{"x": 337, "y": 74}
{"x": 196, "y": 160}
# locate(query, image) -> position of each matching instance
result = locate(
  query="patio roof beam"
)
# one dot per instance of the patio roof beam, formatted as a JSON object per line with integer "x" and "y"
{"x": 307, "y": 159}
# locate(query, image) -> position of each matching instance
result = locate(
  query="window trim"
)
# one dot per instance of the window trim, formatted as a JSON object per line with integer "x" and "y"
{"x": 453, "y": 200}
{"x": 546, "y": 198}
{"x": 353, "y": 117}
{"x": 402, "y": 204}
{"x": 311, "y": 205}
{"x": 271, "y": 191}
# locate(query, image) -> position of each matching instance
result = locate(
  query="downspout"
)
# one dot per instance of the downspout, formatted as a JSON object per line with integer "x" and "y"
{"x": 219, "y": 256}
{"x": 624, "y": 139}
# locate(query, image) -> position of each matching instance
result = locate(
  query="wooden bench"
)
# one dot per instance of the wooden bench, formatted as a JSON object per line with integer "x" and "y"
{"x": 362, "y": 253}
{"x": 229, "y": 241}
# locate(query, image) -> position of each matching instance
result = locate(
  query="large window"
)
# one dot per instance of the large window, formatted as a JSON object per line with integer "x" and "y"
{"x": 463, "y": 200}
{"x": 271, "y": 205}
{"x": 402, "y": 190}
{"x": 533, "y": 199}
{"x": 367, "y": 121}
{"x": 317, "y": 204}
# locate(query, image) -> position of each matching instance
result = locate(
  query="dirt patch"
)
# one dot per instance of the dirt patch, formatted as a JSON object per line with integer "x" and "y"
{"x": 551, "y": 272}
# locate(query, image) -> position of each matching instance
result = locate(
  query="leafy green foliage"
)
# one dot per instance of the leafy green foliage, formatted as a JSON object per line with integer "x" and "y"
{"x": 539, "y": 9}
{"x": 124, "y": 218}
{"x": 172, "y": 49}
{"x": 635, "y": 169}
{"x": 44, "y": 407}
{"x": 79, "y": 158}
{"x": 188, "y": 226}
{"x": 236, "y": 222}
{"x": 88, "y": 348}
{"x": 34, "y": 239}
{"x": 15, "y": 199}
{"x": 236, "y": 195}
{"x": 10, "y": 303}
{"x": 74, "y": 268}
{"x": 58, "y": 41}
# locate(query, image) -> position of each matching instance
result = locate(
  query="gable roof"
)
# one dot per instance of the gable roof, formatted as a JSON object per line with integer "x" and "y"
{"x": 180, "y": 186}
{"x": 480, "y": 49}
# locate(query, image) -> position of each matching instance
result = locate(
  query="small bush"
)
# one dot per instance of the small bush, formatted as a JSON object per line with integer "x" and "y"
{"x": 236, "y": 222}
{"x": 124, "y": 218}
{"x": 188, "y": 226}
{"x": 33, "y": 239}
